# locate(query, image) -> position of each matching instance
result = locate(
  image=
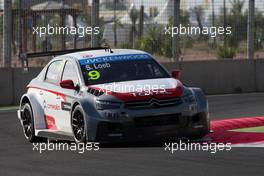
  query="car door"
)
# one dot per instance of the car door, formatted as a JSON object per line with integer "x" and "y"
{"x": 51, "y": 95}
{"x": 69, "y": 73}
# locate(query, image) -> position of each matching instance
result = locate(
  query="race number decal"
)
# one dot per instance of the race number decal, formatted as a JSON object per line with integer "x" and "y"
{"x": 94, "y": 75}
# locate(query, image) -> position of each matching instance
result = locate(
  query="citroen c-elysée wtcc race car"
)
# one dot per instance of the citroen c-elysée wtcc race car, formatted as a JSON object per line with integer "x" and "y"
{"x": 83, "y": 96}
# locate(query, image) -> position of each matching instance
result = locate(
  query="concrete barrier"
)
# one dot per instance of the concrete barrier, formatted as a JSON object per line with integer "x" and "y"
{"x": 21, "y": 80}
{"x": 259, "y": 75}
{"x": 6, "y": 87}
{"x": 221, "y": 76}
{"x": 214, "y": 77}
{"x": 13, "y": 84}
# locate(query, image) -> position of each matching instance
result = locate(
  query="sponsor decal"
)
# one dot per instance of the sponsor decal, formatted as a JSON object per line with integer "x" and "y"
{"x": 125, "y": 57}
{"x": 152, "y": 93}
{"x": 66, "y": 106}
{"x": 86, "y": 55}
{"x": 97, "y": 66}
{"x": 53, "y": 107}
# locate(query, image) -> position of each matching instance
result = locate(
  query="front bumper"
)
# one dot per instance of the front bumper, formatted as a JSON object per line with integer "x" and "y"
{"x": 163, "y": 127}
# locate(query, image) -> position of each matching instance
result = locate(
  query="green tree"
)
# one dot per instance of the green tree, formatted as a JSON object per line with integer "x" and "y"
{"x": 186, "y": 41}
{"x": 199, "y": 13}
{"x": 156, "y": 42}
{"x": 152, "y": 42}
{"x": 238, "y": 21}
{"x": 236, "y": 18}
{"x": 184, "y": 17}
{"x": 259, "y": 30}
{"x": 116, "y": 23}
{"x": 134, "y": 15}
{"x": 15, "y": 3}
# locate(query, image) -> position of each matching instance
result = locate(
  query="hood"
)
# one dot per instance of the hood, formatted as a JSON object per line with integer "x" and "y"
{"x": 137, "y": 90}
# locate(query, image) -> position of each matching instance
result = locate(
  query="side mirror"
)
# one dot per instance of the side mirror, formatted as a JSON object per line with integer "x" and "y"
{"x": 176, "y": 74}
{"x": 67, "y": 84}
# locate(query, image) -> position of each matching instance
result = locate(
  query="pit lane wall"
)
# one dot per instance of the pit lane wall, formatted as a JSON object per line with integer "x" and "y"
{"x": 13, "y": 84}
{"x": 214, "y": 77}
{"x": 223, "y": 76}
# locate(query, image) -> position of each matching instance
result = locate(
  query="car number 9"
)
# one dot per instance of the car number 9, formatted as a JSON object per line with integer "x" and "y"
{"x": 94, "y": 75}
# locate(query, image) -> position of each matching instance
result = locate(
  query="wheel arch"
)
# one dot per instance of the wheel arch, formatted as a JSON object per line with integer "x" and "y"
{"x": 87, "y": 106}
{"x": 74, "y": 104}
{"x": 24, "y": 99}
{"x": 201, "y": 99}
{"x": 37, "y": 109}
{"x": 90, "y": 114}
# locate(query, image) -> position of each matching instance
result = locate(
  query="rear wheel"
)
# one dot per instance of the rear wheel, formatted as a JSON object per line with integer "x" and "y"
{"x": 78, "y": 125}
{"x": 28, "y": 124}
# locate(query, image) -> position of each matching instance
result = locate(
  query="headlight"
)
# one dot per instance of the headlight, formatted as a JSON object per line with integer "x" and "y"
{"x": 189, "y": 98}
{"x": 102, "y": 104}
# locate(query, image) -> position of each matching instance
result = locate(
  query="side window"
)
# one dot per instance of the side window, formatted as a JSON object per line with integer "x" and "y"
{"x": 70, "y": 72}
{"x": 53, "y": 72}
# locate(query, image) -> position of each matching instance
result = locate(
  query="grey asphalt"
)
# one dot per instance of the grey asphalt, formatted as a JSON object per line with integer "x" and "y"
{"x": 17, "y": 157}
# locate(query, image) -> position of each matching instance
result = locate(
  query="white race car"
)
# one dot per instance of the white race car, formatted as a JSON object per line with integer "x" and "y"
{"x": 112, "y": 96}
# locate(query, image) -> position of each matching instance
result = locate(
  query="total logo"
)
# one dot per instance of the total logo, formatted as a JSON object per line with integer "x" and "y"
{"x": 51, "y": 106}
{"x": 86, "y": 55}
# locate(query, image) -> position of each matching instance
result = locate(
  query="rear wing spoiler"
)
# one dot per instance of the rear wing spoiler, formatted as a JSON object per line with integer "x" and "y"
{"x": 25, "y": 56}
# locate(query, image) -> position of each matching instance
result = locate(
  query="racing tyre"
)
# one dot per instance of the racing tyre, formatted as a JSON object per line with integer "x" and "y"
{"x": 28, "y": 124}
{"x": 78, "y": 125}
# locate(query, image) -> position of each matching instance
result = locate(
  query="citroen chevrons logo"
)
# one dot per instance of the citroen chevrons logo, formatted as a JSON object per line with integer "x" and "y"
{"x": 154, "y": 102}
{"x": 157, "y": 103}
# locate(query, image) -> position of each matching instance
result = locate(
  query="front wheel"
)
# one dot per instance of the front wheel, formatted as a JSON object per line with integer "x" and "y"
{"x": 78, "y": 124}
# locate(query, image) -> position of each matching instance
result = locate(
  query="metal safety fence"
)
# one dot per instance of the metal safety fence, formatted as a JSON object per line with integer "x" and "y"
{"x": 207, "y": 30}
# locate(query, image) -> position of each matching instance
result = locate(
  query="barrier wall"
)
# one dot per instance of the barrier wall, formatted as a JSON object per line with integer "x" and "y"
{"x": 21, "y": 80}
{"x": 6, "y": 86}
{"x": 260, "y": 75}
{"x": 214, "y": 77}
{"x": 13, "y": 84}
{"x": 223, "y": 76}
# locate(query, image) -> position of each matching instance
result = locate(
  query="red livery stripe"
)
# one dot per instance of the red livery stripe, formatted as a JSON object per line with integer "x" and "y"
{"x": 138, "y": 96}
{"x": 50, "y": 122}
{"x": 63, "y": 96}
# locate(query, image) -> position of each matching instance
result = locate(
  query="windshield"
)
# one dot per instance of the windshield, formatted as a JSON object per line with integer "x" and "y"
{"x": 119, "y": 68}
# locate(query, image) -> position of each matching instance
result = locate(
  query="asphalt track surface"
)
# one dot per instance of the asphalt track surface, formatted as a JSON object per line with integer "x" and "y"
{"x": 17, "y": 157}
